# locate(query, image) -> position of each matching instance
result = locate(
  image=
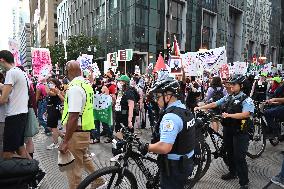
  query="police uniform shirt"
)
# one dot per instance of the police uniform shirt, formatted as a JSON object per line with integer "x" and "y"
{"x": 170, "y": 126}
{"x": 247, "y": 104}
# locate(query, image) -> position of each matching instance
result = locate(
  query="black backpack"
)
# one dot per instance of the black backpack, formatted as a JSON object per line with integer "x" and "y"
{"x": 136, "y": 100}
{"x": 217, "y": 94}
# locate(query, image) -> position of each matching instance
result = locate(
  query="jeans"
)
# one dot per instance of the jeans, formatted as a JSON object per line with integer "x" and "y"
{"x": 272, "y": 113}
{"x": 177, "y": 178}
{"x": 236, "y": 146}
{"x": 42, "y": 106}
{"x": 78, "y": 146}
{"x": 96, "y": 132}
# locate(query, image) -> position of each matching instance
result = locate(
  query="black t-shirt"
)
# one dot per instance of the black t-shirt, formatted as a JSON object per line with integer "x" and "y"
{"x": 53, "y": 100}
{"x": 128, "y": 95}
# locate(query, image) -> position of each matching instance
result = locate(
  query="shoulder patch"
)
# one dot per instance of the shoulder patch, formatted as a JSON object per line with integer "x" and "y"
{"x": 249, "y": 101}
{"x": 167, "y": 125}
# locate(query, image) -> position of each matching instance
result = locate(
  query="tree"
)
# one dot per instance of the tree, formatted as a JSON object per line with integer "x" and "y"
{"x": 76, "y": 45}
{"x": 57, "y": 54}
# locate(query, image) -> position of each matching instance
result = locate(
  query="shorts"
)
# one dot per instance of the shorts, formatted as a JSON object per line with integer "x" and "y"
{"x": 14, "y": 132}
{"x": 53, "y": 115}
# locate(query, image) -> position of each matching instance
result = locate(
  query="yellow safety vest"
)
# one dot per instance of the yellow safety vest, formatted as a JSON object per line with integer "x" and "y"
{"x": 87, "y": 117}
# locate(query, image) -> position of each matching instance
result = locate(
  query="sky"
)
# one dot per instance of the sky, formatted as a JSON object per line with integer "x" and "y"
{"x": 6, "y": 22}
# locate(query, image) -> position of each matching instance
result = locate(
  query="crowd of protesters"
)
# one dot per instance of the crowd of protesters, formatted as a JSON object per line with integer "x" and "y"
{"x": 130, "y": 104}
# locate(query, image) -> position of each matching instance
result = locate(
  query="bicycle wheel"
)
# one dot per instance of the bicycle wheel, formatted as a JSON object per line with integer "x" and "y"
{"x": 257, "y": 143}
{"x": 198, "y": 165}
{"x": 109, "y": 177}
{"x": 205, "y": 159}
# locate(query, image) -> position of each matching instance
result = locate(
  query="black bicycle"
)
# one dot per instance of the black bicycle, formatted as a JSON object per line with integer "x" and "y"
{"x": 264, "y": 129}
{"x": 119, "y": 175}
{"x": 204, "y": 126}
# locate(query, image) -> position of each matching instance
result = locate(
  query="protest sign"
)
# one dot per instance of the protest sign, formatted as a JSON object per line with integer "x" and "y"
{"x": 85, "y": 61}
{"x": 240, "y": 68}
{"x": 41, "y": 62}
{"x": 211, "y": 60}
{"x": 175, "y": 65}
{"x": 103, "y": 108}
{"x": 190, "y": 63}
{"x": 14, "y": 49}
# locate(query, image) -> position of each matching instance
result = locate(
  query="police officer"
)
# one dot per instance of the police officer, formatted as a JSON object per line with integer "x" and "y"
{"x": 174, "y": 135}
{"x": 237, "y": 109}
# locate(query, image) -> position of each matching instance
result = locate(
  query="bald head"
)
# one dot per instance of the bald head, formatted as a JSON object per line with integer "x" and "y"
{"x": 73, "y": 69}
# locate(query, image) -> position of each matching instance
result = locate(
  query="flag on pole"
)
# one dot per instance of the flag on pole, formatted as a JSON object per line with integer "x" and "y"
{"x": 176, "y": 49}
{"x": 160, "y": 64}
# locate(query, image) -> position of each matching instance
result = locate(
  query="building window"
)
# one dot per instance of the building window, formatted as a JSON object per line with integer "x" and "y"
{"x": 55, "y": 15}
{"x": 207, "y": 30}
{"x": 251, "y": 50}
{"x": 55, "y": 25}
{"x": 56, "y": 34}
{"x": 262, "y": 50}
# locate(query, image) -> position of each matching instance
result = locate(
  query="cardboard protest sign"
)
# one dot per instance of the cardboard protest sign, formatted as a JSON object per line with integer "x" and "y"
{"x": 175, "y": 65}
{"x": 41, "y": 62}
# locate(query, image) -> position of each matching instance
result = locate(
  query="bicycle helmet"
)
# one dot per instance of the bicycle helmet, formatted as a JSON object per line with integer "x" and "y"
{"x": 239, "y": 79}
{"x": 165, "y": 85}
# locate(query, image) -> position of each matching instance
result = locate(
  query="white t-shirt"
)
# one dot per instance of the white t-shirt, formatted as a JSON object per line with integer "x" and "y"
{"x": 76, "y": 99}
{"x": 18, "y": 98}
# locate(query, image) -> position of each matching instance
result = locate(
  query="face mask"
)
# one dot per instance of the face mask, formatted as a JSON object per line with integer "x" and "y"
{"x": 119, "y": 86}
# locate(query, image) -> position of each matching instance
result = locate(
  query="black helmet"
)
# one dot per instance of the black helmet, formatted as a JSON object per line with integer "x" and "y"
{"x": 164, "y": 85}
{"x": 239, "y": 79}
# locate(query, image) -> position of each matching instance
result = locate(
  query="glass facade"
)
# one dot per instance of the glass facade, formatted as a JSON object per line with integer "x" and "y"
{"x": 145, "y": 25}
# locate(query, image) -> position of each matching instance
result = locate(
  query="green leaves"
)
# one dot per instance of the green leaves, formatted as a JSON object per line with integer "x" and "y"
{"x": 75, "y": 46}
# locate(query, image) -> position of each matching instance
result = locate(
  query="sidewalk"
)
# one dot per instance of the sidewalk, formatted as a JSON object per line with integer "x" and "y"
{"x": 260, "y": 169}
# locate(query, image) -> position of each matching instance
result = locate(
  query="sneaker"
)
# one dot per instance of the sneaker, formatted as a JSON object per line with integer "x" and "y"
{"x": 278, "y": 180}
{"x": 94, "y": 141}
{"x": 244, "y": 187}
{"x": 52, "y": 146}
{"x": 228, "y": 176}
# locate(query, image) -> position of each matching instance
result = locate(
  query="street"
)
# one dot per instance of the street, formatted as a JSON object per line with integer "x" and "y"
{"x": 260, "y": 169}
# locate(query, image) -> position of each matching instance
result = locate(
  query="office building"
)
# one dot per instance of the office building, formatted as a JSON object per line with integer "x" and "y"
{"x": 246, "y": 27}
{"x": 25, "y": 46}
{"x": 44, "y": 22}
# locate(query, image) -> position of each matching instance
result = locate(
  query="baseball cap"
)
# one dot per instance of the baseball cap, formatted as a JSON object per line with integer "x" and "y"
{"x": 124, "y": 78}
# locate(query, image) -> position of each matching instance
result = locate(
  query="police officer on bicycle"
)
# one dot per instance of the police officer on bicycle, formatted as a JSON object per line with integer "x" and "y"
{"x": 237, "y": 109}
{"x": 174, "y": 135}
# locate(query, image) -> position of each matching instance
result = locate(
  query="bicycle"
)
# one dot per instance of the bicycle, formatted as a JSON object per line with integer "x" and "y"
{"x": 205, "y": 119}
{"x": 260, "y": 121}
{"x": 119, "y": 175}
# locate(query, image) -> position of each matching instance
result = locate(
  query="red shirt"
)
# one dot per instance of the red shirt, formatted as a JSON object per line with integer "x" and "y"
{"x": 112, "y": 89}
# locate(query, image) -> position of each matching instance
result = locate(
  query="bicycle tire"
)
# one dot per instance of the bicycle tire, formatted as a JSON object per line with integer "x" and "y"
{"x": 275, "y": 141}
{"x": 108, "y": 170}
{"x": 206, "y": 153}
{"x": 258, "y": 154}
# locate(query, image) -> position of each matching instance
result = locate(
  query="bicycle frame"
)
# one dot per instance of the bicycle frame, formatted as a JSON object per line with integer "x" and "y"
{"x": 152, "y": 180}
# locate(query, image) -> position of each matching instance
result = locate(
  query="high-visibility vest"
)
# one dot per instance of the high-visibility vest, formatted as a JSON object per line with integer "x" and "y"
{"x": 87, "y": 117}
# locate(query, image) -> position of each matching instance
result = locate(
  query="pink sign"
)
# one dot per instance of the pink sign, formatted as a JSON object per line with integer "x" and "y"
{"x": 41, "y": 62}
{"x": 14, "y": 49}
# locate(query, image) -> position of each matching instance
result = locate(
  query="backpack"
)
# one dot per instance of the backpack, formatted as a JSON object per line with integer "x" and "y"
{"x": 217, "y": 94}
{"x": 136, "y": 101}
